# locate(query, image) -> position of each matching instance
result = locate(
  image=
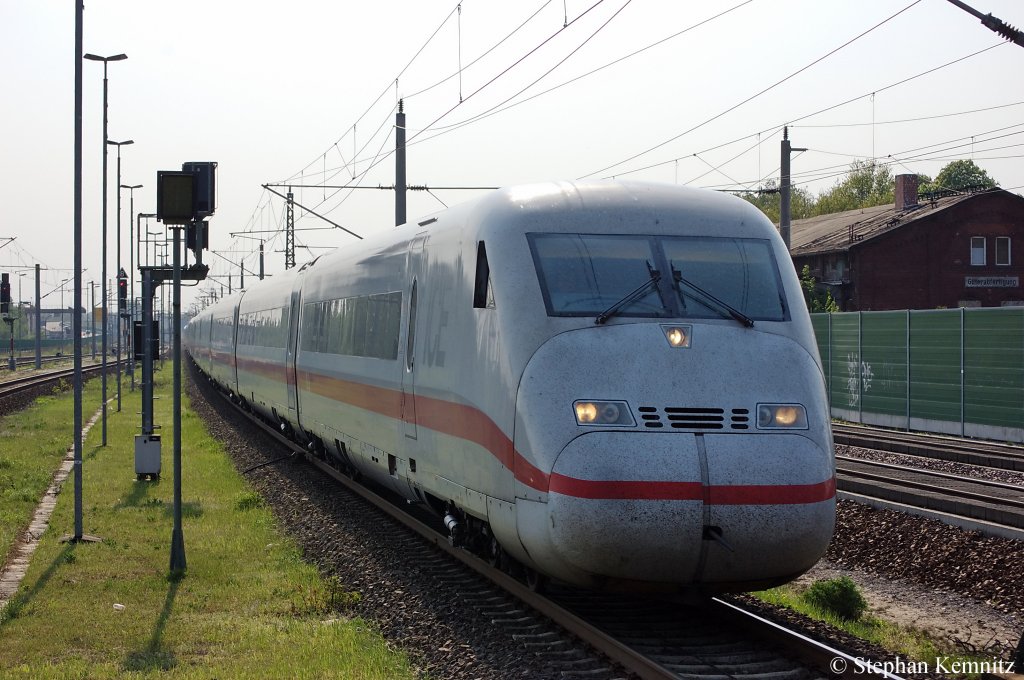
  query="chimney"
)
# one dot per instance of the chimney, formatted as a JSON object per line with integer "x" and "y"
{"x": 906, "y": 192}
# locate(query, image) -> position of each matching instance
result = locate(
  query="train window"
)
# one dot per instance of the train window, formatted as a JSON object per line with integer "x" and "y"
{"x": 361, "y": 326}
{"x": 739, "y": 272}
{"x": 483, "y": 295}
{"x": 411, "y": 334}
{"x": 585, "y": 274}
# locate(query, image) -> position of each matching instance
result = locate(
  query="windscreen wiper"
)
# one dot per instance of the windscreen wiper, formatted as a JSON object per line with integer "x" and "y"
{"x": 723, "y": 308}
{"x": 631, "y": 297}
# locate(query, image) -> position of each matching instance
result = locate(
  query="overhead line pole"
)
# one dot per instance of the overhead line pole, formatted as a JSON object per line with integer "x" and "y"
{"x": 312, "y": 212}
{"x": 400, "y": 165}
{"x": 785, "y": 185}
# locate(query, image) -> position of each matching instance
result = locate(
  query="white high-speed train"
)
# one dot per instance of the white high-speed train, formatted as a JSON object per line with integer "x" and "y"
{"x": 613, "y": 384}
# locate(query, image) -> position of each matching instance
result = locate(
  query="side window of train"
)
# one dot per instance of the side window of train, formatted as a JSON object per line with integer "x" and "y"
{"x": 483, "y": 294}
{"x": 410, "y": 342}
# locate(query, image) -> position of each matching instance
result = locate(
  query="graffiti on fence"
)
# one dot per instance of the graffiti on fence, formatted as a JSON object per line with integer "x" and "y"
{"x": 858, "y": 378}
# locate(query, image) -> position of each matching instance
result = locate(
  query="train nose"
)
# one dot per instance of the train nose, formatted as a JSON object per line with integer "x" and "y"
{"x": 736, "y": 511}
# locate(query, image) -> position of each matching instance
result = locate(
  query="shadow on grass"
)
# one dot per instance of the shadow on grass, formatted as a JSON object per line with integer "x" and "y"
{"x": 23, "y": 597}
{"x": 140, "y": 495}
{"x": 154, "y": 657}
{"x": 189, "y": 509}
{"x": 92, "y": 453}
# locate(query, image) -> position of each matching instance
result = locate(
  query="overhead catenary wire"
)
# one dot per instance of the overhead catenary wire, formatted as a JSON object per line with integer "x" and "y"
{"x": 905, "y": 155}
{"x": 396, "y": 78}
{"x": 778, "y": 128}
{"x": 757, "y": 94}
{"x": 908, "y": 120}
{"x": 378, "y": 158}
{"x": 441, "y": 130}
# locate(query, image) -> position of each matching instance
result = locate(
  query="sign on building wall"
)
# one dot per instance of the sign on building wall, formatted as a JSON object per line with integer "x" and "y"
{"x": 992, "y": 281}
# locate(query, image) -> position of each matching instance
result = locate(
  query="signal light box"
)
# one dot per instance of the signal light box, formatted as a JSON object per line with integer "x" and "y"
{"x": 205, "y": 187}
{"x": 175, "y": 196}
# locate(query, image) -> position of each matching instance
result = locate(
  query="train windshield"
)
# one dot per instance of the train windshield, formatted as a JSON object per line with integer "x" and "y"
{"x": 739, "y": 272}
{"x": 586, "y": 274}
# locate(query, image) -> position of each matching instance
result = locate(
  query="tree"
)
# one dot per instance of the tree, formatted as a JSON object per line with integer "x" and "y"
{"x": 817, "y": 301}
{"x": 867, "y": 184}
{"x": 958, "y": 176}
{"x": 801, "y": 203}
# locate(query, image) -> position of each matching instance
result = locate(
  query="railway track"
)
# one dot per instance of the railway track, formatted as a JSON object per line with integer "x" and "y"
{"x": 650, "y": 638}
{"x": 19, "y": 386}
{"x": 974, "y": 499}
{"x": 967, "y": 451}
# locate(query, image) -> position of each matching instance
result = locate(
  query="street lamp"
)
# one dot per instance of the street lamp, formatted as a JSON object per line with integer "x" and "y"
{"x": 62, "y": 310}
{"x": 103, "y": 276}
{"x": 131, "y": 268}
{"x": 117, "y": 257}
{"x": 21, "y": 316}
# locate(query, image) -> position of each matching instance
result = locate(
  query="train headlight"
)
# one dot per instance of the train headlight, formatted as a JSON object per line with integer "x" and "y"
{"x": 781, "y": 416}
{"x": 603, "y": 413}
{"x": 678, "y": 336}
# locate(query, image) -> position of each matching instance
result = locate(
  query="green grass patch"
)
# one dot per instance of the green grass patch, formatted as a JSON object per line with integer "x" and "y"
{"x": 247, "y": 606}
{"x": 836, "y": 600}
{"x": 32, "y": 444}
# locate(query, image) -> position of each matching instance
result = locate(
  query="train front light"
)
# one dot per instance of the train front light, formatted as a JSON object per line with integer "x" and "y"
{"x": 678, "y": 336}
{"x": 781, "y": 416}
{"x": 603, "y": 413}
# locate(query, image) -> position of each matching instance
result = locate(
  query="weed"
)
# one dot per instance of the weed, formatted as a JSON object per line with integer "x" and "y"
{"x": 249, "y": 501}
{"x": 839, "y": 596}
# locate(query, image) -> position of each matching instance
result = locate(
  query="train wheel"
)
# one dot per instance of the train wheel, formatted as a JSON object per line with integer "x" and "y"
{"x": 496, "y": 556}
{"x": 536, "y": 581}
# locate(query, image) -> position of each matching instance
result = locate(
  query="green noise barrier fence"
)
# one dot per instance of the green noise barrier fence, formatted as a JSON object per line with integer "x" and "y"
{"x": 954, "y": 371}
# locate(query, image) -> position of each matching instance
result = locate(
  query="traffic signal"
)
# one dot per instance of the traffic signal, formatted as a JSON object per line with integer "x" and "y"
{"x": 122, "y": 293}
{"x": 5, "y": 293}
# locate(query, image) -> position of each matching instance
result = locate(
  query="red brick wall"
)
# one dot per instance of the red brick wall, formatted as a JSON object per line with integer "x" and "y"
{"x": 923, "y": 265}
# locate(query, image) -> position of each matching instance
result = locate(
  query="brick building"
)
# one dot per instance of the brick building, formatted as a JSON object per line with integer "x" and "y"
{"x": 961, "y": 250}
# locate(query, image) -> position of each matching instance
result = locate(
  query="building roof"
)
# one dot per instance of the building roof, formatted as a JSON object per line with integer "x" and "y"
{"x": 841, "y": 231}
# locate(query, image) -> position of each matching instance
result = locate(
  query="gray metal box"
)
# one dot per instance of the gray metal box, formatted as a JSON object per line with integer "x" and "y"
{"x": 147, "y": 454}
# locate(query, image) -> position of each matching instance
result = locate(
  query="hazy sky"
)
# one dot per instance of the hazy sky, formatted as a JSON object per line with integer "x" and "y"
{"x": 304, "y": 93}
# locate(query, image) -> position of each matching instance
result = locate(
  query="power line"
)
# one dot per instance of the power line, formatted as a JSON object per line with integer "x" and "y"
{"x": 389, "y": 85}
{"x": 756, "y": 95}
{"x": 908, "y": 120}
{"x": 778, "y": 128}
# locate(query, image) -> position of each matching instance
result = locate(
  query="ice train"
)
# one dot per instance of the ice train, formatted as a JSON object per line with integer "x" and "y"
{"x": 613, "y": 384}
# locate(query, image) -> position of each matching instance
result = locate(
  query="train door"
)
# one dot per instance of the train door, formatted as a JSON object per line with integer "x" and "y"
{"x": 290, "y": 357}
{"x": 234, "y": 350}
{"x": 416, "y": 260}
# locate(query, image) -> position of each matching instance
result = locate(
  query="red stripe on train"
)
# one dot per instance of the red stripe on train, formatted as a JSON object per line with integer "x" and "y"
{"x": 471, "y": 424}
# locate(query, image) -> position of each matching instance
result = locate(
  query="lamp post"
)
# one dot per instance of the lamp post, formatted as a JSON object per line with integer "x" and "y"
{"x": 131, "y": 271}
{"x": 117, "y": 265}
{"x": 21, "y": 313}
{"x": 103, "y": 276}
{"x": 92, "y": 317}
{"x": 62, "y": 310}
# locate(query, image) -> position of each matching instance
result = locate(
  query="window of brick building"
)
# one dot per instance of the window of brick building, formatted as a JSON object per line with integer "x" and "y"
{"x": 1003, "y": 250}
{"x": 977, "y": 250}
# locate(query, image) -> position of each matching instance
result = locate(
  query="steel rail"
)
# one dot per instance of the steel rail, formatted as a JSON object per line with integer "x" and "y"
{"x": 935, "y": 473}
{"x": 940, "y": 490}
{"x": 10, "y": 388}
{"x": 969, "y": 451}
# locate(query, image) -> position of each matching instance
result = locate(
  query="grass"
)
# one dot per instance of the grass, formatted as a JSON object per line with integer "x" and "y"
{"x": 31, "y": 448}
{"x": 905, "y": 641}
{"x": 247, "y": 606}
